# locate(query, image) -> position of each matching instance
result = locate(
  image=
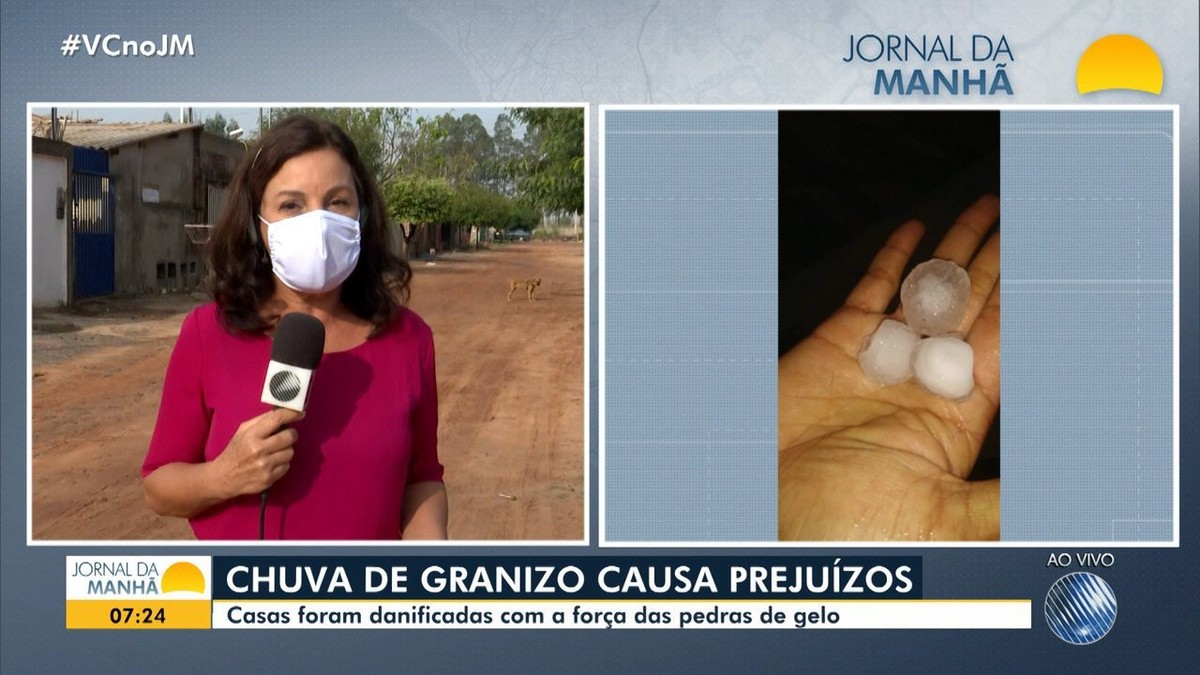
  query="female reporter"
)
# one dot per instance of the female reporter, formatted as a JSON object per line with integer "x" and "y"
{"x": 303, "y": 230}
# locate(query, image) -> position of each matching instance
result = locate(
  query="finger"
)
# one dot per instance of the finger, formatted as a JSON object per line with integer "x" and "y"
{"x": 984, "y": 273}
{"x": 964, "y": 236}
{"x": 272, "y": 466}
{"x": 268, "y": 422}
{"x": 269, "y": 452}
{"x": 985, "y": 340}
{"x": 973, "y": 511}
{"x": 979, "y": 410}
{"x": 273, "y": 446}
{"x": 284, "y": 438}
{"x": 876, "y": 289}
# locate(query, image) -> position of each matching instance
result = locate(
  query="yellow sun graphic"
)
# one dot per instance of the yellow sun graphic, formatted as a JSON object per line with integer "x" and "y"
{"x": 1119, "y": 62}
{"x": 182, "y": 576}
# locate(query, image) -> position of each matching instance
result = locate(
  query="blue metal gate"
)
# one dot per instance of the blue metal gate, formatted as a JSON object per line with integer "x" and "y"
{"x": 93, "y": 226}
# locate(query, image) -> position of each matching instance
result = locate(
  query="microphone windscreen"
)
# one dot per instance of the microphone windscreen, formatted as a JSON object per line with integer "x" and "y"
{"x": 299, "y": 341}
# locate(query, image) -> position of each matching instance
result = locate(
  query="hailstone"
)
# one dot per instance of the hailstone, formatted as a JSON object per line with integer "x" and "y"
{"x": 886, "y": 357}
{"x": 935, "y": 297}
{"x": 945, "y": 366}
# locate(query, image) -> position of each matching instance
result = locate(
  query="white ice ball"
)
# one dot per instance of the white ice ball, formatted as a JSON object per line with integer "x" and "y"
{"x": 935, "y": 296}
{"x": 945, "y": 366}
{"x": 887, "y": 355}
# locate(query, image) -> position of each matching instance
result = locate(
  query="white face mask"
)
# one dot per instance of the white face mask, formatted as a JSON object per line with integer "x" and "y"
{"x": 315, "y": 251}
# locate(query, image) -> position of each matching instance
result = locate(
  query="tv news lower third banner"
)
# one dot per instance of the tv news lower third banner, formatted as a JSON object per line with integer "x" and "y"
{"x": 148, "y": 592}
{"x": 157, "y": 592}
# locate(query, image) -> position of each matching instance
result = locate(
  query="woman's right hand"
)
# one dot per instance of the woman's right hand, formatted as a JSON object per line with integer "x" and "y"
{"x": 259, "y": 453}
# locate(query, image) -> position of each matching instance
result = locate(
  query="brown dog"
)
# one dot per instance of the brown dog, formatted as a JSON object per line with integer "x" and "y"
{"x": 528, "y": 284}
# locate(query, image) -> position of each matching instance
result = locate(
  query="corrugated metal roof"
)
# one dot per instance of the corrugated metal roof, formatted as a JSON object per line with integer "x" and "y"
{"x": 96, "y": 134}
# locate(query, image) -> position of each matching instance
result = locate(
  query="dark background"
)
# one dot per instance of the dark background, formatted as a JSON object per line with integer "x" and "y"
{"x": 848, "y": 178}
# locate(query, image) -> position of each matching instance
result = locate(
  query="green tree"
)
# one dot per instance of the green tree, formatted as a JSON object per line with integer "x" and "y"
{"x": 424, "y": 157}
{"x": 508, "y": 150}
{"x": 476, "y": 206}
{"x": 215, "y": 125}
{"x": 459, "y": 150}
{"x": 521, "y": 215}
{"x": 550, "y": 174}
{"x": 504, "y": 136}
{"x": 378, "y": 133}
{"x": 416, "y": 202}
{"x": 477, "y": 146}
{"x": 167, "y": 117}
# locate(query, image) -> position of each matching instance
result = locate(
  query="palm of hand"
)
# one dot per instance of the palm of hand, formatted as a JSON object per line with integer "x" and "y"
{"x": 861, "y": 461}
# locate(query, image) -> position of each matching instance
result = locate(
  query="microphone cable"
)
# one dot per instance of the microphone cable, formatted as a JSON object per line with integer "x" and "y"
{"x": 262, "y": 515}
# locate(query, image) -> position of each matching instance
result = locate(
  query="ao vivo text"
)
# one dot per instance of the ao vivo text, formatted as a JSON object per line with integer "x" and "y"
{"x": 1081, "y": 560}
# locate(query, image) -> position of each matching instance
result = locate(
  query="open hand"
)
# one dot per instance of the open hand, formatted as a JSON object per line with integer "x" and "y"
{"x": 863, "y": 461}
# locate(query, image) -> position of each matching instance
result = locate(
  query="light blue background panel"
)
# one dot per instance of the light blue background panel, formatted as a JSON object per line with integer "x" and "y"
{"x": 1086, "y": 329}
{"x": 690, "y": 304}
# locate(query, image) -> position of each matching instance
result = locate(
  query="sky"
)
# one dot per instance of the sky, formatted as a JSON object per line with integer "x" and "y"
{"x": 247, "y": 116}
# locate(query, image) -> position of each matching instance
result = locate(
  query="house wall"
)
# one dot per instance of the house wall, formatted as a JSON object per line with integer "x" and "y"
{"x": 151, "y": 245}
{"x": 48, "y": 232}
{"x": 219, "y": 158}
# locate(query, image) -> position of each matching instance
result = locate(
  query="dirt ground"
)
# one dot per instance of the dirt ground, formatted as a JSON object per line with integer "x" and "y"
{"x": 510, "y": 380}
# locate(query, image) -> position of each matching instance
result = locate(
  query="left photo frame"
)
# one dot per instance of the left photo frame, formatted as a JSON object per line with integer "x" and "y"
{"x": 473, "y": 420}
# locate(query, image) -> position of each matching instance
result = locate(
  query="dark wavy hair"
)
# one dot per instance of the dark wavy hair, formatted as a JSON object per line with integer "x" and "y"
{"x": 241, "y": 279}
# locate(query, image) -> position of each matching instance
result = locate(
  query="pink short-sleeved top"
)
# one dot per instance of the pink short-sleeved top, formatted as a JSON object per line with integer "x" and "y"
{"x": 369, "y": 430}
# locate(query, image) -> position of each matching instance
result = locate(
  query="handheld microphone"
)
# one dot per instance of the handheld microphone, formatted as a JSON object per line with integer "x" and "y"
{"x": 295, "y": 354}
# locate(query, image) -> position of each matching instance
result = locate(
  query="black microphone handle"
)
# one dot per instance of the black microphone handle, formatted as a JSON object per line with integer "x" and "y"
{"x": 262, "y": 503}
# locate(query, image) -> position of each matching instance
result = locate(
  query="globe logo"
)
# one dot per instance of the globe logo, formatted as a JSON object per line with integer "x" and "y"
{"x": 285, "y": 385}
{"x": 1081, "y": 608}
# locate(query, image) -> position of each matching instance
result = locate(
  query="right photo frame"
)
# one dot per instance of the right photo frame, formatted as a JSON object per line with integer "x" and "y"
{"x": 802, "y": 339}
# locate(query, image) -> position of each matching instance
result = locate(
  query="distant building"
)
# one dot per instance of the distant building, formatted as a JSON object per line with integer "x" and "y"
{"x": 129, "y": 190}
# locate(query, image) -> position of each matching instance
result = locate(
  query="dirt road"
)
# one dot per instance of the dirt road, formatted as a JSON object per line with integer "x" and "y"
{"x": 510, "y": 380}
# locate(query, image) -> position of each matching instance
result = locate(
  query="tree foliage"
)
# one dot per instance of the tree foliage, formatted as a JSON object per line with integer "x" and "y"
{"x": 379, "y": 133}
{"x": 551, "y": 173}
{"x": 416, "y": 201}
{"x": 217, "y": 125}
{"x": 449, "y": 170}
{"x": 456, "y": 149}
{"x": 521, "y": 214}
{"x": 478, "y": 206}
